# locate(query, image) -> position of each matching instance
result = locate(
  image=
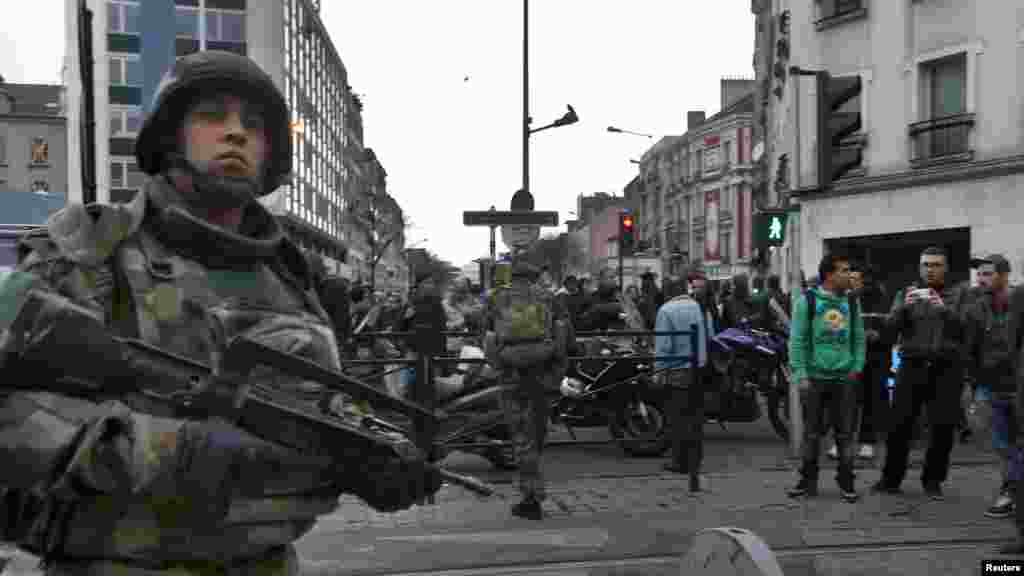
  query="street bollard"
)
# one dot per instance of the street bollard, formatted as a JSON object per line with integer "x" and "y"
{"x": 728, "y": 551}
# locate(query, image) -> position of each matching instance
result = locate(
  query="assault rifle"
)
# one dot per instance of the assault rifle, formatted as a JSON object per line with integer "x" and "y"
{"x": 83, "y": 358}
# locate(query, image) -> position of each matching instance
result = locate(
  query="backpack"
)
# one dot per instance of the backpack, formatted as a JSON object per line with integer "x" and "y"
{"x": 812, "y": 310}
{"x": 523, "y": 324}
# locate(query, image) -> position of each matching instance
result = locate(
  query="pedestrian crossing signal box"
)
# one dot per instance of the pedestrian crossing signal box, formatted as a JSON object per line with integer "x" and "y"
{"x": 770, "y": 228}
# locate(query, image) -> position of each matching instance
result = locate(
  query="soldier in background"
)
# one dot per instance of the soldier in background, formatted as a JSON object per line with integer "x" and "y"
{"x": 528, "y": 345}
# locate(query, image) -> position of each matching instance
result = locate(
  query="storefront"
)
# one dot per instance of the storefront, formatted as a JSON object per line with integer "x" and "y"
{"x": 891, "y": 227}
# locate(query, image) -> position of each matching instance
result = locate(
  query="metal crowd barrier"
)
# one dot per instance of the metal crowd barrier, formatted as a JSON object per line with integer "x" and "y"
{"x": 427, "y": 342}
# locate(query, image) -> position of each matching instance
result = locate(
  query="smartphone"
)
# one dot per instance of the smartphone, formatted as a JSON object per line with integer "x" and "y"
{"x": 921, "y": 294}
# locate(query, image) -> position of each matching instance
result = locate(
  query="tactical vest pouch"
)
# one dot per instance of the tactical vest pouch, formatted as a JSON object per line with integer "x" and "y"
{"x": 527, "y": 354}
{"x": 521, "y": 313}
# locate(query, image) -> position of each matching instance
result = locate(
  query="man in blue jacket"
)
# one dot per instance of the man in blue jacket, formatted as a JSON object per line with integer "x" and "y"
{"x": 686, "y": 410}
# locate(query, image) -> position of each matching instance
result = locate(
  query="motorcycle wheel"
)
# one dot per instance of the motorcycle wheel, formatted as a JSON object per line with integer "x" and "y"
{"x": 641, "y": 433}
{"x": 776, "y": 398}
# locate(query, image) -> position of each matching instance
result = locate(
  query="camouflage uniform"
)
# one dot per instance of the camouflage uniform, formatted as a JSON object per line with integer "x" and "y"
{"x": 118, "y": 485}
{"x": 524, "y": 400}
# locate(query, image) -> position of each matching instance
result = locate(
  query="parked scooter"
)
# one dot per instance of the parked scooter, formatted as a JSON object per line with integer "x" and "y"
{"x": 750, "y": 364}
{"x": 617, "y": 393}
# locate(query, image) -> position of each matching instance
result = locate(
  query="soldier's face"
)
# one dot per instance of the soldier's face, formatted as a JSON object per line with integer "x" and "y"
{"x": 226, "y": 136}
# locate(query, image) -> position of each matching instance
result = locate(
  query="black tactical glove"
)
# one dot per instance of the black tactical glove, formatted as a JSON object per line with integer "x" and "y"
{"x": 390, "y": 483}
{"x": 219, "y": 460}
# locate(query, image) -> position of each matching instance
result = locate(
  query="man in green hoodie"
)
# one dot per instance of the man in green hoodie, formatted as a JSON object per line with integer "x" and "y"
{"x": 826, "y": 355}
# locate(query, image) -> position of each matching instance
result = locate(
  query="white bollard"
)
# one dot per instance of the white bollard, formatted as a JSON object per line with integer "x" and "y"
{"x": 727, "y": 551}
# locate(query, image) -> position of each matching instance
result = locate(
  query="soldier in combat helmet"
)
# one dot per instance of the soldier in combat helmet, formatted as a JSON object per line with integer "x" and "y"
{"x": 528, "y": 345}
{"x": 119, "y": 484}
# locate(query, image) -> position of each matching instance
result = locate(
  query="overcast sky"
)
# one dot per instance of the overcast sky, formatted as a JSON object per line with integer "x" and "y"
{"x": 451, "y": 144}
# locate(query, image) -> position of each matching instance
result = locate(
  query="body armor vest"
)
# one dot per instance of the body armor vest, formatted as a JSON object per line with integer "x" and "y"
{"x": 171, "y": 301}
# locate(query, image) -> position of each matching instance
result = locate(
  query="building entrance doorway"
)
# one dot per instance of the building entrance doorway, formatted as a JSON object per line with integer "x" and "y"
{"x": 894, "y": 258}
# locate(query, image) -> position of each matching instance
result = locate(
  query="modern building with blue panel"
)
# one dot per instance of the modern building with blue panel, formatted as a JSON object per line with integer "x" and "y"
{"x": 133, "y": 46}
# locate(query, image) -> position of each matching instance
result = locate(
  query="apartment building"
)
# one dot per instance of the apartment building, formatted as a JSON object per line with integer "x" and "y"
{"x": 941, "y": 133}
{"x": 695, "y": 190}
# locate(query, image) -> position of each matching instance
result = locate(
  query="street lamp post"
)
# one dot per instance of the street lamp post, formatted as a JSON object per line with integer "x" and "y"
{"x": 615, "y": 130}
{"x": 569, "y": 117}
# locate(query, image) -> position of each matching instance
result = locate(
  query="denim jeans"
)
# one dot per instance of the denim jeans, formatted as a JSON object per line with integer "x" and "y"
{"x": 1002, "y": 415}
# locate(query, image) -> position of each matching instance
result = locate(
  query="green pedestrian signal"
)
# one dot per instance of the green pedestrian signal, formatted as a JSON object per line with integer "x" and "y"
{"x": 770, "y": 228}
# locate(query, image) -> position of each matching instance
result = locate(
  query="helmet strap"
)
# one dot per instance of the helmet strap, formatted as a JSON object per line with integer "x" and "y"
{"x": 209, "y": 192}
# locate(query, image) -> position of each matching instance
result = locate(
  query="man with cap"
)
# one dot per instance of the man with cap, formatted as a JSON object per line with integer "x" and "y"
{"x": 120, "y": 484}
{"x": 992, "y": 345}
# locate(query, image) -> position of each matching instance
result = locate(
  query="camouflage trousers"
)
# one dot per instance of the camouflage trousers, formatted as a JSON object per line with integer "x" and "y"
{"x": 282, "y": 561}
{"x": 526, "y": 412}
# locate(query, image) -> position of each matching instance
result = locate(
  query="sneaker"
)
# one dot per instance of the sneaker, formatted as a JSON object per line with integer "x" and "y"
{"x": 529, "y": 509}
{"x": 848, "y": 494}
{"x": 934, "y": 492}
{"x": 1002, "y": 507}
{"x": 803, "y": 488}
{"x": 881, "y": 487}
{"x": 867, "y": 452}
{"x": 833, "y": 452}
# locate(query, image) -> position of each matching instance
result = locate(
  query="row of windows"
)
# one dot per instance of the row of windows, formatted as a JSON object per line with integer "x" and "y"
{"x": 125, "y": 70}
{"x": 125, "y": 122}
{"x": 124, "y": 173}
{"x": 38, "y": 151}
{"x": 314, "y": 90}
{"x": 221, "y": 25}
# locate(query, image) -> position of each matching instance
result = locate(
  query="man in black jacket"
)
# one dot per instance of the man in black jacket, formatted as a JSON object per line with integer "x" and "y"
{"x": 929, "y": 317}
{"x": 991, "y": 346}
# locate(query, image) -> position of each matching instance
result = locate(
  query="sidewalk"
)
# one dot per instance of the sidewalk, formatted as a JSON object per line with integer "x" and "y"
{"x": 614, "y": 518}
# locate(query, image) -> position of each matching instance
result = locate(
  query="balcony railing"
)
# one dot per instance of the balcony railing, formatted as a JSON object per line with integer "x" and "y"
{"x": 941, "y": 140}
{"x": 835, "y": 12}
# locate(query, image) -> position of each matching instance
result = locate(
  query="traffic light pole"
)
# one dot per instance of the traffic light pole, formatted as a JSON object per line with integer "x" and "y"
{"x": 621, "y": 291}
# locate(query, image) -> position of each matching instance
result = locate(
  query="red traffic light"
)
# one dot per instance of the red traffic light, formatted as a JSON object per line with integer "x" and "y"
{"x": 627, "y": 222}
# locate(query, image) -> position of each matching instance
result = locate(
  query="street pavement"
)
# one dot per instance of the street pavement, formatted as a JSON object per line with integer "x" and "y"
{"x": 610, "y": 514}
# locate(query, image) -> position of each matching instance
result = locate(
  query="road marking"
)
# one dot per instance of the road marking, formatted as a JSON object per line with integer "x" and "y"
{"x": 567, "y": 538}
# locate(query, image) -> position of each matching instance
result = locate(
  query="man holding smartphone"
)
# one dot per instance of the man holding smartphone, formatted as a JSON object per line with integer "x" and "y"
{"x": 929, "y": 318}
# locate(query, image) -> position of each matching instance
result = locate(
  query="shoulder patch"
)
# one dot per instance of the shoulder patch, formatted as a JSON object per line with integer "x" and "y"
{"x": 88, "y": 235}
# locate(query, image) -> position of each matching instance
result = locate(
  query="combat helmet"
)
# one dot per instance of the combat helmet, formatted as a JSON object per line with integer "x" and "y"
{"x": 213, "y": 70}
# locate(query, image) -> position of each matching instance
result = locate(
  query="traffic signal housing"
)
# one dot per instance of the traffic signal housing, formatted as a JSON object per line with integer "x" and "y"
{"x": 770, "y": 228}
{"x": 834, "y": 158}
{"x": 626, "y": 236}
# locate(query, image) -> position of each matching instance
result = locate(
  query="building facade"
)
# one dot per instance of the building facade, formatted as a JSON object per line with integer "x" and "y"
{"x": 695, "y": 191}
{"x": 941, "y": 136}
{"x": 33, "y": 143}
{"x": 289, "y": 41}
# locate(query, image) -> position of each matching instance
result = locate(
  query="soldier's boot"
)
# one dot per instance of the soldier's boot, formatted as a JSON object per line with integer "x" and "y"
{"x": 529, "y": 508}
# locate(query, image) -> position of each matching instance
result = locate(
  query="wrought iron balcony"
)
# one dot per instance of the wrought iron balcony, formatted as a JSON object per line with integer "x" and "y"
{"x": 941, "y": 140}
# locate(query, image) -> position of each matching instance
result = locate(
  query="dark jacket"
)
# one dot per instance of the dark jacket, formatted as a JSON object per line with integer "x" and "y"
{"x": 736, "y": 308}
{"x": 927, "y": 331}
{"x": 994, "y": 340}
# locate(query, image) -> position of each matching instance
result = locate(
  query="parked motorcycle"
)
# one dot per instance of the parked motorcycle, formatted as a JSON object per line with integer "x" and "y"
{"x": 750, "y": 364}
{"x": 617, "y": 393}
